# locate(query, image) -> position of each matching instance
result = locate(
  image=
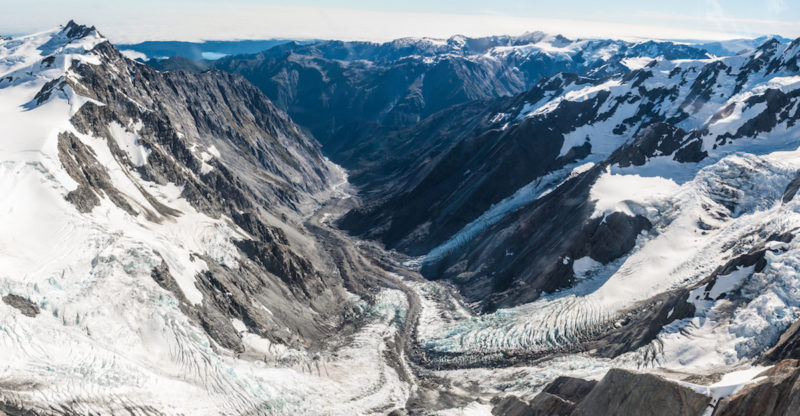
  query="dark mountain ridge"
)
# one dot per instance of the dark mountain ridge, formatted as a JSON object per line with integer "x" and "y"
{"x": 342, "y": 91}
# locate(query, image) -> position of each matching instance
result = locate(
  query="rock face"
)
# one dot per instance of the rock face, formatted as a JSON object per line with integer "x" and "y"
{"x": 512, "y": 406}
{"x": 179, "y": 63}
{"x": 544, "y": 404}
{"x": 549, "y": 404}
{"x": 775, "y": 392}
{"x": 619, "y": 393}
{"x": 213, "y": 109}
{"x": 656, "y": 139}
{"x": 778, "y": 394}
{"x": 622, "y": 392}
{"x": 25, "y": 306}
{"x": 788, "y": 346}
{"x": 265, "y": 164}
{"x": 558, "y": 398}
{"x": 570, "y": 388}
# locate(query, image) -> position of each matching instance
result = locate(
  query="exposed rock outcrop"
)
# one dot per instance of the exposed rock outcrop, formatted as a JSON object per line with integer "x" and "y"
{"x": 234, "y": 156}
{"x": 625, "y": 393}
{"x": 25, "y": 306}
{"x": 570, "y": 388}
{"x": 788, "y": 346}
{"x": 776, "y": 395}
{"x": 619, "y": 393}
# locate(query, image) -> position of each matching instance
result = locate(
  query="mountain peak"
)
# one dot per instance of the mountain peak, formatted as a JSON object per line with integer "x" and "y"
{"x": 458, "y": 41}
{"x": 531, "y": 37}
{"x": 74, "y": 30}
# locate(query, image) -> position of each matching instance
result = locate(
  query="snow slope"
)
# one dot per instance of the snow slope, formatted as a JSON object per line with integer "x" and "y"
{"x": 108, "y": 339}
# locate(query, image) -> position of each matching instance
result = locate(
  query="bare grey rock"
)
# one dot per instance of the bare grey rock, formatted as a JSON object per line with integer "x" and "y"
{"x": 777, "y": 395}
{"x": 626, "y": 393}
{"x": 570, "y": 388}
{"x": 93, "y": 180}
{"x": 788, "y": 345}
{"x": 512, "y": 406}
{"x": 25, "y": 306}
{"x": 791, "y": 189}
{"x": 219, "y": 327}
{"x": 558, "y": 398}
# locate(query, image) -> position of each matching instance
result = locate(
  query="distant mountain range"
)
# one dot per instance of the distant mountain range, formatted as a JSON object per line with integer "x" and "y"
{"x": 212, "y": 49}
{"x": 215, "y": 49}
{"x": 737, "y": 46}
{"x": 343, "y": 91}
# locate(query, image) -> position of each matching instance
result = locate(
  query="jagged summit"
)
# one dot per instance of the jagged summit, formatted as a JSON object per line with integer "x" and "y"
{"x": 73, "y": 30}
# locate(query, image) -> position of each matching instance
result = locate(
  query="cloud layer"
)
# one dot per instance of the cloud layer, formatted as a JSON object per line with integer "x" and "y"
{"x": 202, "y": 21}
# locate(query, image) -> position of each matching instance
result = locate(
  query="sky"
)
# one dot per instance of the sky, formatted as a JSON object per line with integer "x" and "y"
{"x": 130, "y": 21}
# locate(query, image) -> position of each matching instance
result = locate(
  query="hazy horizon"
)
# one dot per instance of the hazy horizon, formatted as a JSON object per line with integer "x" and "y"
{"x": 181, "y": 20}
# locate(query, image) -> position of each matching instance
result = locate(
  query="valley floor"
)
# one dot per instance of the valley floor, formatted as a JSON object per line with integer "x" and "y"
{"x": 433, "y": 376}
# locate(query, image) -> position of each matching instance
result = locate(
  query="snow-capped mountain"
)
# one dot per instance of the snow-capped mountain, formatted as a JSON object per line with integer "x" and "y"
{"x": 684, "y": 116}
{"x": 645, "y": 217}
{"x": 590, "y": 52}
{"x": 475, "y": 155}
{"x": 738, "y": 46}
{"x": 616, "y": 241}
{"x": 343, "y": 91}
{"x": 153, "y": 258}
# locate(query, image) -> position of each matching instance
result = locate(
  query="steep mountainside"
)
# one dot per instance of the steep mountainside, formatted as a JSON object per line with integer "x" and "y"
{"x": 659, "y": 227}
{"x": 153, "y": 234}
{"x": 683, "y": 117}
{"x": 470, "y": 157}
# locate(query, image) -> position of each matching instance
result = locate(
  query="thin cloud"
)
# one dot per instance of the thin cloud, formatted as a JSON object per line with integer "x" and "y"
{"x": 304, "y": 23}
{"x": 125, "y": 24}
{"x": 745, "y": 27}
{"x": 776, "y": 6}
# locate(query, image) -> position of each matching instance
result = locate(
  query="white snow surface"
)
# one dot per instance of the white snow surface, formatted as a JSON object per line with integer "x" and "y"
{"x": 629, "y": 194}
{"x": 636, "y": 62}
{"x": 128, "y": 142}
{"x": 729, "y": 384}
